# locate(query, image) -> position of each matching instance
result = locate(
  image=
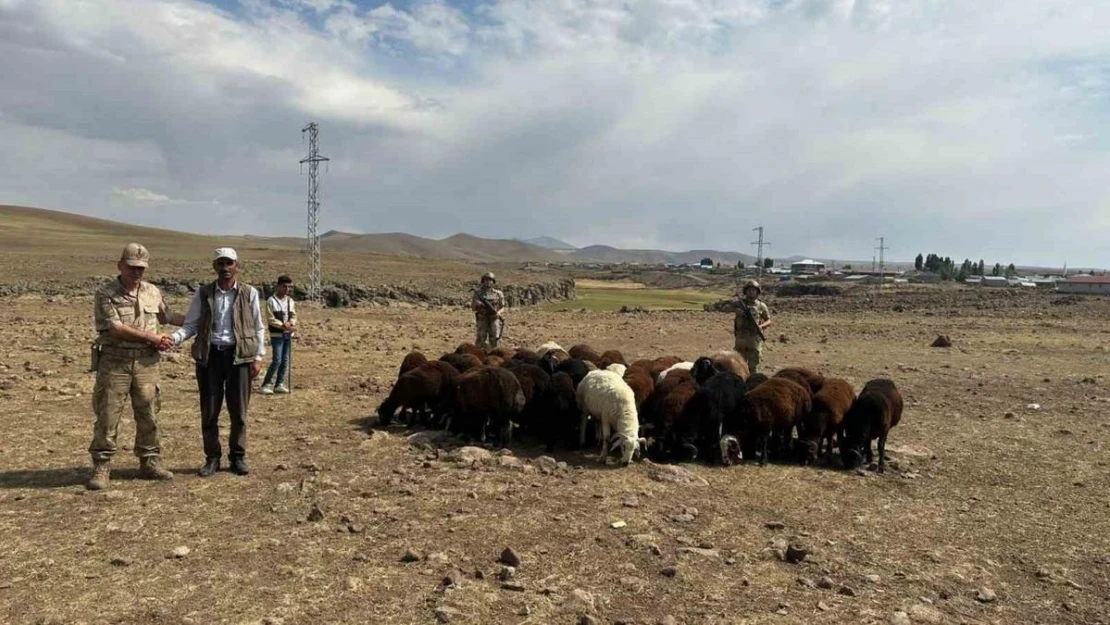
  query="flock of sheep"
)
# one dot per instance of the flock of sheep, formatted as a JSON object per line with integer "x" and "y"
{"x": 708, "y": 409}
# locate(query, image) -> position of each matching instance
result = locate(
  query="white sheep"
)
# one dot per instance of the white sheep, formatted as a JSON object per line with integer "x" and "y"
{"x": 550, "y": 346}
{"x": 605, "y": 396}
{"x": 682, "y": 366}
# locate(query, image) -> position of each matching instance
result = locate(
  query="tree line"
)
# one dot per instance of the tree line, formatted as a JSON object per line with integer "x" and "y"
{"x": 947, "y": 270}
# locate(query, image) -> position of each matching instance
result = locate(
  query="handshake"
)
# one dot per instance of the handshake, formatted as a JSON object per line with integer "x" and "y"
{"x": 163, "y": 342}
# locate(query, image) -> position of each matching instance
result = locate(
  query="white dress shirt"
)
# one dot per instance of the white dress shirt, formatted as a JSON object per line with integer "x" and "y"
{"x": 223, "y": 331}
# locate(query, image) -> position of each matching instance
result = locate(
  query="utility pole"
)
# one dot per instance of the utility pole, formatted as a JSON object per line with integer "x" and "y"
{"x": 313, "y": 159}
{"x": 759, "y": 250}
{"x": 882, "y": 248}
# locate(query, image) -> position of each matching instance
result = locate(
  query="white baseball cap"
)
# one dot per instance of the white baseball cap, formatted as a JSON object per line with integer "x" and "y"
{"x": 225, "y": 252}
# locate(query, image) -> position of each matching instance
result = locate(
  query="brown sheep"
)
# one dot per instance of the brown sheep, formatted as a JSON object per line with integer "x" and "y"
{"x": 802, "y": 376}
{"x": 756, "y": 379}
{"x": 659, "y": 365}
{"x": 493, "y": 361}
{"x": 462, "y": 362}
{"x": 823, "y": 422}
{"x": 873, "y": 414}
{"x": 609, "y": 357}
{"x": 651, "y": 411}
{"x": 673, "y": 428}
{"x": 486, "y": 398}
{"x": 470, "y": 348}
{"x": 504, "y": 353}
{"x": 412, "y": 360}
{"x": 728, "y": 360}
{"x": 426, "y": 389}
{"x": 641, "y": 382}
{"x": 584, "y": 352}
{"x": 526, "y": 356}
{"x": 775, "y": 406}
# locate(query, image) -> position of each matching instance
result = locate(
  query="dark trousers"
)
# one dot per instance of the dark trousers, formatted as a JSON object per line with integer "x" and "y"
{"x": 223, "y": 378}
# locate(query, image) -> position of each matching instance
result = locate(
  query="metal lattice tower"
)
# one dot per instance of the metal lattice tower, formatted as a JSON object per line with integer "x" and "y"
{"x": 882, "y": 248}
{"x": 313, "y": 159}
{"x": 759, "y": 250}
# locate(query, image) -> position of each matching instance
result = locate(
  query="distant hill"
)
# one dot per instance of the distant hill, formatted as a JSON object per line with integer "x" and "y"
{"x": 550, "y": 243}
{"x": 607, "y": 254}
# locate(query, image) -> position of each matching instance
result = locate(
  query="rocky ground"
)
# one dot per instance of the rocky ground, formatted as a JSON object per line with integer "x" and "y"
{"x": 993, "y": 509}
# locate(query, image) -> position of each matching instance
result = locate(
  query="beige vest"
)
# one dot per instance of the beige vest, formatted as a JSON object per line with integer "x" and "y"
{"x": 242, "y": 322}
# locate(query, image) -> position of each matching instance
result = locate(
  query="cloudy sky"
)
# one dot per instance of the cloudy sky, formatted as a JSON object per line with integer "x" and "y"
{"x": 974, "y": 129}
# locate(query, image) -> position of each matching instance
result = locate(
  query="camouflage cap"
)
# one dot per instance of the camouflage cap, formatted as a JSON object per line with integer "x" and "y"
{"x": 135, "y": 255}
{"x": 489, "y": 275}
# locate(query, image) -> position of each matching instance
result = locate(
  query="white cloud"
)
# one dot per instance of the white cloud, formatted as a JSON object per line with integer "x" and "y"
{"x": 673, "y": 123}
{"x": 137, "y": 194}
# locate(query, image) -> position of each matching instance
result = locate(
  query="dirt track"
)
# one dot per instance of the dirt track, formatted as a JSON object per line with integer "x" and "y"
{"x": 987, "y": 493}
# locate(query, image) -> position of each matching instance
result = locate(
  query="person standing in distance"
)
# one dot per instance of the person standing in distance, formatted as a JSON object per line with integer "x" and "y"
{"x": 752, "y": 317}
{"x": 281, "y": 318}
{"x": 126, "y": 314}
{"x": 488, "y": 317}
{"x": 226, "y": 319}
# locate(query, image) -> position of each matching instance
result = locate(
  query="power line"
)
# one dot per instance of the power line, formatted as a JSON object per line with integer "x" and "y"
{"x": 759, "y": 250}
{"x": 313, "y": 159}
{"x": 882, "y": 248}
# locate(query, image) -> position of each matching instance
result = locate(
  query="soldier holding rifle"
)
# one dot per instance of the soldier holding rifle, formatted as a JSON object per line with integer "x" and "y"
{"x": 487, "y": 304}
{"x": 752, "y": 317}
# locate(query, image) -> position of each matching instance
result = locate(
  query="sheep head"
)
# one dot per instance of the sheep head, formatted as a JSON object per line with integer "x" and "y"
{"x": 730, "y": 450}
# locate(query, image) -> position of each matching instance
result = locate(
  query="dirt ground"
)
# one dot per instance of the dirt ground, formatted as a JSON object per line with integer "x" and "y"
{"x": 994, "y": 508}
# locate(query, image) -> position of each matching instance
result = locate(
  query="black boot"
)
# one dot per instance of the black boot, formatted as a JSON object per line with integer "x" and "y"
{"x": 239, "y": 466}
{"x": 211, "y": 465}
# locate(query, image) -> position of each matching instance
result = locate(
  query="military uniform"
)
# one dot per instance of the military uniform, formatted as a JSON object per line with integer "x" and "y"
{"x": 489, "y": 324}
{"x": 747, "y": 342}
{"x": 126, "y": 369}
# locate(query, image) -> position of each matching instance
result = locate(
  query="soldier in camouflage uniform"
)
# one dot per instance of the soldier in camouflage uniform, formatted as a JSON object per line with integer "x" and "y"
{"x": 489, "y": 322}
{"x": 748, "y": 342}
{"x": 127, "y": 312}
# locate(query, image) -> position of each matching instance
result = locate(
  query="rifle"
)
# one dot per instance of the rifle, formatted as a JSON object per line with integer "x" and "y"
{"x": 493, "y": 311}
{"x": 751, "y": 315}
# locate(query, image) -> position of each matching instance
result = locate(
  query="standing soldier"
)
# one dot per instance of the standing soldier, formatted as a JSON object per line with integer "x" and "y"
{"x": 125, "y": 356}
{"x": 487, "y": 304}
{"x": 752, "y": 317}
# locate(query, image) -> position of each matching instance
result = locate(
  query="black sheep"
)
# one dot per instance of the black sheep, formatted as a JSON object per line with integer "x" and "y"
{"x": 717, "y": 414}
{"x": 576, "y": 368}
{"x": 872, "y": 415}
{"x": 426, "y": 389}
{"x": 562, "y": 424}
{"x": 462, "y": 362}
{"x": 773, "y": 407}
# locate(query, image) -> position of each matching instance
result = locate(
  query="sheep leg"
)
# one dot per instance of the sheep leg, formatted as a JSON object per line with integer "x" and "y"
{"x": 582, "y": 429}
{"x": 766, "y": 445}
{"x": 604, "y": 436}
{"x": 882, "y": 453}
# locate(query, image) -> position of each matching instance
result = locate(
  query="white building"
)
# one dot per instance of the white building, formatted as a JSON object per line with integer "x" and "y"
{"x": 1091, "y": 285}
{"x": 807, "y": 266}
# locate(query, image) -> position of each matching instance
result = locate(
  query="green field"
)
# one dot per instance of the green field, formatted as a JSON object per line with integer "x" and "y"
{"x": 603, "y": 299}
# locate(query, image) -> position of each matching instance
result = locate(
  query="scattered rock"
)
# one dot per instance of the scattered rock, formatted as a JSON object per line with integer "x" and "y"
{"x": 847, "y": 591}
{"x": 411, "y": 556}
{"x": 795, "y": 553}
{"x": 921, "y": 613}
{"x": 445, "y": 614}
{"x": 429, "y": 438}
{"x": 822, "y": 606}
{"x": 316, "y": 514}
{"x": 586, "y": 619}
{"x": 670, "y": 571}
{"x": 942, "y": 341}
{"x": 826, "y": 583}
{"x": 451, "y": 581}
{"x": 900, "y": 618}
{"x": 672, "y": 474}
{"x": 631, "y": 502}
{"x": 698, "y": 551}
{"x": 985, "y": 595}
{"x": 120, "y": 561}
{"x": 470, "y": 455}
{"x": 506, "y": 573}
{"x": 180, "y": 552}
{"x": 546, "y": 464}
{"x": 581, "y": 600}
{"x": 682, "y": 518}
{"x": 872, "y": 578}
{"x": 668, "y": 620}
{"x": 437, "y": 558}
{"x": 512, "y": 586}
{"x": 774, "y": 525}
{"x": 617, "y": 524}
{"x": 510, "y": 557}
{"x": 354, "y": 584}
{"x": 805, "y": 582}
{"x": 783, "y": 339}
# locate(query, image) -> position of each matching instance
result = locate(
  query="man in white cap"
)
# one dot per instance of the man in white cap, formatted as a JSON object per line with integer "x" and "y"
{"x": 125, "y": 357}
{"x": 226, "y": 318}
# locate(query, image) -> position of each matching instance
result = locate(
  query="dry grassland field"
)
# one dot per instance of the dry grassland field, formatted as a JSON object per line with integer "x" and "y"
{"x": 994, "y": 507}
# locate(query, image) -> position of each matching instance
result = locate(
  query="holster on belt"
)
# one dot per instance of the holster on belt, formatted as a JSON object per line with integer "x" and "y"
{"x": 94, "y": 357}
